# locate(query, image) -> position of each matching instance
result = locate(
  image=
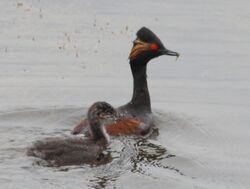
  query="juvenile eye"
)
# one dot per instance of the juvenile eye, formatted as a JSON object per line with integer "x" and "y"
{"x": 154, "y": 46}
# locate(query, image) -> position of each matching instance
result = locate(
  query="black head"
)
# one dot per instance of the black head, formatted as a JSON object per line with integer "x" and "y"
{"x": 147, "y": 46}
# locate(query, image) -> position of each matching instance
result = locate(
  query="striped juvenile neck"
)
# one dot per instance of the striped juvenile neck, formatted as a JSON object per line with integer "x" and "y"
{"x": 98, "y": 132}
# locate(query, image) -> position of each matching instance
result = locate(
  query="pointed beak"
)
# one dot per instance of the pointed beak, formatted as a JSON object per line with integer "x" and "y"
{"x": 170, "y": 53}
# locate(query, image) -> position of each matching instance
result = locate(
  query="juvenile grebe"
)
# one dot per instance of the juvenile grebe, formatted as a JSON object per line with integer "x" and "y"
{"x": 73, "y": 151}
{"x": 136, "y": 116}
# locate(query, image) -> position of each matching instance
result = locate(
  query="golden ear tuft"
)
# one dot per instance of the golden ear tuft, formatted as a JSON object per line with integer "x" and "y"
{"x": 138, "y": 48}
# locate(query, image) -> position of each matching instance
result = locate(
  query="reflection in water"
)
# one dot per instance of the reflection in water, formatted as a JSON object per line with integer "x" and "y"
{"x": 149, "y": 154}
{"x": 134, "y": 155}
{"x": 137, "y": 156}
{"x": 124, "y": 155}
{"x": 102, "y": 181}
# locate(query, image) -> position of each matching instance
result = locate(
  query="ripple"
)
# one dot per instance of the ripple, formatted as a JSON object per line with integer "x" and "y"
{"x": 156, "y": 157}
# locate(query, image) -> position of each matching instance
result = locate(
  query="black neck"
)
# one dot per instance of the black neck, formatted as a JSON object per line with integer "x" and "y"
{"x": 141, "y": 98}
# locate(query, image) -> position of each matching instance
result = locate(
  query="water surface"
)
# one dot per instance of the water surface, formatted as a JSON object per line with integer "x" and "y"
{"x": 58, "y": 57}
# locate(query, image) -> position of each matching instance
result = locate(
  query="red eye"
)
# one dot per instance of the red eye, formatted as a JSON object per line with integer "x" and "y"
{"x": 154, "y": 46}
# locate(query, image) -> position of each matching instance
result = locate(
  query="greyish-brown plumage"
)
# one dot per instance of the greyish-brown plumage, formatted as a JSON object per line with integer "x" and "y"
{"x": 73, "y": 151}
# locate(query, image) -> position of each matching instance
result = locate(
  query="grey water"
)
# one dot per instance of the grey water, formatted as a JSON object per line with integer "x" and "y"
{"x": 58, "y": 57}
{"x": 142, "y": 157}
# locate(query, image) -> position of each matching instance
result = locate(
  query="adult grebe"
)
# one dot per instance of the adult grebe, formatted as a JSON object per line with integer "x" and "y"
{"x": 136, "y": 116}
{"x": 73, "y": 151}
